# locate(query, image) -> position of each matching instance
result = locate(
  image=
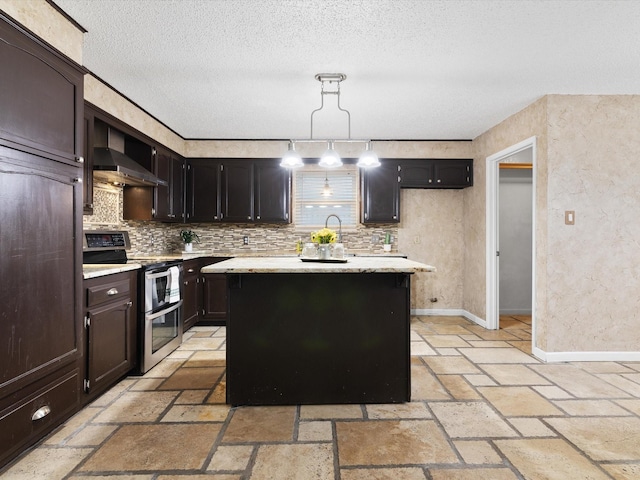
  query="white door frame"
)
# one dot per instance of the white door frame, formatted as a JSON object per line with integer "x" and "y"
{"x": 492, "y": 173}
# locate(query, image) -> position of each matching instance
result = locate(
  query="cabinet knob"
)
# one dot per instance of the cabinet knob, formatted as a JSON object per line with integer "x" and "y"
{"x": 395, "y": 217}
{"x": 80, "y": 159}
{"x": 430, "y": 181}
{"x": 258, "y": 217}
{"x": 77, "y": 180}
{"x": 439, "y": 180}
{"x": 41, "y": 413}
{"x": 129, "y": 304}
{"x": 190, "y": 270}
{"x": 248, "y": 217}
{"x": 112, "y": 291}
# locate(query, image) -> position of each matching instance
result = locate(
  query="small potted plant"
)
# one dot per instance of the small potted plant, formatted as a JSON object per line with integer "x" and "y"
{"x": 387, "y": 242}
{"x": 188, "y": 237}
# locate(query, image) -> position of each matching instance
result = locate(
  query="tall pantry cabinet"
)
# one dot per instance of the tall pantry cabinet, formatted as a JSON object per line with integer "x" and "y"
{"x": 41, "y": 124}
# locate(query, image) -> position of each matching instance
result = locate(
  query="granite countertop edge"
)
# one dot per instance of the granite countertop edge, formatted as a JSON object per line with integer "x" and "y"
{"x": 96, "y": 270}
{"x": 296, "y": 265}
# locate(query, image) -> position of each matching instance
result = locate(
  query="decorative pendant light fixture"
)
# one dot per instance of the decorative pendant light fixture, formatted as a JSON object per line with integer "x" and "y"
{"x": 326, "y": 190}
{"x": 330, "y": 158}
{"x": 291, "y": 159}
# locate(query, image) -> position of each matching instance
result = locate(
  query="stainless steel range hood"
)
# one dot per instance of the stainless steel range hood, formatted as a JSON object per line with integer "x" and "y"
{"x": 110, "y": 164}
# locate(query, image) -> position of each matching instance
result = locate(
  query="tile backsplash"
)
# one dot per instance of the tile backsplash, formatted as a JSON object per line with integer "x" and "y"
{"x": 157, "y": 238}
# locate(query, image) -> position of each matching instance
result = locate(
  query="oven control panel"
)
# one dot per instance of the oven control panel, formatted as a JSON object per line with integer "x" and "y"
{"x": 94, "y": 240}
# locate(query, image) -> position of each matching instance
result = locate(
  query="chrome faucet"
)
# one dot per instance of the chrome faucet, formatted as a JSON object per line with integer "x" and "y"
{"x": 339, "y": 229}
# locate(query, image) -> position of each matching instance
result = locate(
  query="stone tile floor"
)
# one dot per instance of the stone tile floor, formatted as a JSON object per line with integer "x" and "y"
{"x": 482, "y": 408}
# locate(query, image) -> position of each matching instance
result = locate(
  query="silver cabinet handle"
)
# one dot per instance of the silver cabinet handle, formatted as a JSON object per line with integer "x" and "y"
{"x": 77, "y": 180}
{"x": 190, "y": 270}
{"x": 129, "y": 304}
{"x": 258, "y": 217}
{"x": 112, "y": 291}
{"x": 80, "y": 159}
{"x": 41, "y": 413}
{"x": 248, "y": 217}
{"x": 439, "y": 181}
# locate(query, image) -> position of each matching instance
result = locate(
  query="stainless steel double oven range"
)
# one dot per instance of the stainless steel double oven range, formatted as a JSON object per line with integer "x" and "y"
{"x": 159, "y": 294}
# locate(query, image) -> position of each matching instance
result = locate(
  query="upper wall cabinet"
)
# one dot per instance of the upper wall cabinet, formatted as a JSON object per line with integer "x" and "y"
{"x": 272, "y": 192}
{"x": 436, "y": 173}
{"x": 203, "y": 190}
{"x": 380, "y": 193}
{"x": 43, "y": 118}
{"x": 169, "y": 200}
{"x": 237, "y": 191}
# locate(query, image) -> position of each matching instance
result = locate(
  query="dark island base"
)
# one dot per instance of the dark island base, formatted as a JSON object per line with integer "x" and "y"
{"x": 325, "y": 338}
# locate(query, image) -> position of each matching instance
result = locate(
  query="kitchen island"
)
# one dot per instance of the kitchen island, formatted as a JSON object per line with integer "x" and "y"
{"x": 318, "y": 333}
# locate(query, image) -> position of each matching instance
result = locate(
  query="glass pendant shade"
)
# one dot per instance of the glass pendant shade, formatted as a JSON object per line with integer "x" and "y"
{"x": 368, "y": 158}
{"x": 330, "y": 158}
{"x": 291, "y": 159}
{"x": 326, "y": 190}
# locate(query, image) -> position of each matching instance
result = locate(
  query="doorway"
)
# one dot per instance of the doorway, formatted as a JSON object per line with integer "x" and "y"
{"x": 521, "y": 153}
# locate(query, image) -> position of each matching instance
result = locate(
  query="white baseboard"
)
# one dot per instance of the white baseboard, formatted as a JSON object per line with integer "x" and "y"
{"x": 450, "y": 312}
{"x": 554, "y": 357}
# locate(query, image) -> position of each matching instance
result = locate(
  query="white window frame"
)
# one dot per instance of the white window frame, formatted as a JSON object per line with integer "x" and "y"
{"x": 353, "y": 202}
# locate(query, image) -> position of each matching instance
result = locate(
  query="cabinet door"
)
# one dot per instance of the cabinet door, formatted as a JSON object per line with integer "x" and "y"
{"x": 40, "y": 98}
{"x": 237, "y": 191}
{"x": 272, "y": 192}
{"x": 110, "y": 353}
{"x": 203, "y": 202}
{"x": 416, "y": 174}
{"x": 192, "y": 299}
{"x": 87, "y": 189}
{"x": 162, "y": 198}
{"x": 453, "y": 173}
{"x": 381, "y": 194}
{"x": 215, "y": 296}
{"x": 41, "y": 274}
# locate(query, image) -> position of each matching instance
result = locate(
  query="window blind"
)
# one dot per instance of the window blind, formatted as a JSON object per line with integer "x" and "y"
{"x": 311, "y": 208}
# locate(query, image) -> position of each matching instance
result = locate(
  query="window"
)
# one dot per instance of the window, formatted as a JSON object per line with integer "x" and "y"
{"x": 311, "y": 208}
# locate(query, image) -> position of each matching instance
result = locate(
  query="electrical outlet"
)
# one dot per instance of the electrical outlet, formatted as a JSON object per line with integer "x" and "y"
{"x": 245, "y": 240}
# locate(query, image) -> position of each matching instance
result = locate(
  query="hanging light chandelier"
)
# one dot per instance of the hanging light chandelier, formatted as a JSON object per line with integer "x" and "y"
{"x": 330, "y": 158}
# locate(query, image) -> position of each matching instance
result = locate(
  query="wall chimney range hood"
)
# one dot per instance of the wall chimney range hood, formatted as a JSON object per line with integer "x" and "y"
{"x": 110, "y": 164}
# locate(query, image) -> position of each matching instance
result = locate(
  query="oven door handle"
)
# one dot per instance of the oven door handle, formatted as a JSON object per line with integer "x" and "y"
{"x": 174, "y": 306}
{"x": 150, "y": 276}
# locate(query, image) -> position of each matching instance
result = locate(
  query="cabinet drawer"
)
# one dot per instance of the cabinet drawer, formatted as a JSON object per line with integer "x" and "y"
{"x": 107, "y": 292}
{"x": 27, "y": 421}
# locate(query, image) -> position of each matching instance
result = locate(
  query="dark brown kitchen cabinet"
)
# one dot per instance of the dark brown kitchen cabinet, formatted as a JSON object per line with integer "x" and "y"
{"x": 214, "y": 302}
{"x": 87, "y": 173}
{"x": 41, "y": 125}
{"x": 436, "y": 173}
{"x": 380, "y": 193}
{"x": 192, "y": 293}
{"x": 203, "y": 190}
{"x": 272, "y": 192}
{"x": 236, "y": 191}
{"x": 169, "y": 200}
{"x": 110, "y": 327}
{"x": 204, "y": 298}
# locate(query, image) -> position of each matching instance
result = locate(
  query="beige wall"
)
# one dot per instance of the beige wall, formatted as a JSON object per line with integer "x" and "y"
{"x": 593, "y": 280}
{"x": 587, "y": 279}
{"x": 46, "y": 22}
{"x": 527, "y": 123}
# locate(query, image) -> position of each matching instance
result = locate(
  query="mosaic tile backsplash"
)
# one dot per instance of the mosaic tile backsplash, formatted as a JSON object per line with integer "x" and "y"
{"x": 157, "y": 238}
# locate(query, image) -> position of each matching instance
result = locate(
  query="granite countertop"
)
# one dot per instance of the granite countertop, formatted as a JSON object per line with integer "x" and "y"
{"x": 377, "y": 264}
{"x": 100, "y": 270}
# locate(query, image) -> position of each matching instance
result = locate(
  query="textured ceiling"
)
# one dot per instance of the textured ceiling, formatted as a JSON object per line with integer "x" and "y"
{"x": 415, "y": 69}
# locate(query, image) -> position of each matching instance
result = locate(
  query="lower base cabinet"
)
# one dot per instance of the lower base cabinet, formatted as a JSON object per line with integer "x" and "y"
{"x": 204, "y": 296}
{"x": 110, "y": 325}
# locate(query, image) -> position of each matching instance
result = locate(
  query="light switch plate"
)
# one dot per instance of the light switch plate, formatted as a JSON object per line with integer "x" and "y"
{"x": 569, "y": 217}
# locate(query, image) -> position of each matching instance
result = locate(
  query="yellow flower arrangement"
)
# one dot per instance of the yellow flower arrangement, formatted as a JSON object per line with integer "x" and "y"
{"x": 325, "y": 235}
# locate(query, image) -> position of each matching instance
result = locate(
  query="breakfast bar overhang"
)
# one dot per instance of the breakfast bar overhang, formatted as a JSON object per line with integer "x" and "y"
{"x": 318, "y": 333}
